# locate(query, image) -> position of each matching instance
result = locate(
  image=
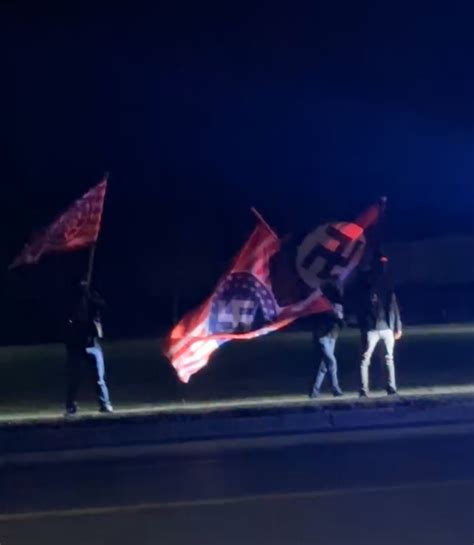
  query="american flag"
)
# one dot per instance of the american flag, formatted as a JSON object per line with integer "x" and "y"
{"x": 78, "y": 227}
{"x": 244, "y": 305}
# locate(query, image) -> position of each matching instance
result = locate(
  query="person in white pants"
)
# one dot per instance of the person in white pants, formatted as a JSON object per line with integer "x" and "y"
{"x": 379, "y": 320}
{"x": 370, "y": 340}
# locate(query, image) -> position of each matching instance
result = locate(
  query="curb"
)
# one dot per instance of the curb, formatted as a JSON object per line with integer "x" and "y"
{"x": 153, "y": 430}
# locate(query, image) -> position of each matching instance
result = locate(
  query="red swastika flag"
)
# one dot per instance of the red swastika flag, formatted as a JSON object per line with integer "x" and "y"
{"x": 78, "y": 227}
{"x": 266, "y": 288}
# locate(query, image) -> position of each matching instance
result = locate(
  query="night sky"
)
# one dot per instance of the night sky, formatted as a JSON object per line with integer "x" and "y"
{"x": 308, "y": 111}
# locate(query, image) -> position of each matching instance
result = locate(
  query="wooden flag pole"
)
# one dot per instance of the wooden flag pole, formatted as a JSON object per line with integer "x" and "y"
{"x": 260, "y": 218}
{"x": 90, "y": 266}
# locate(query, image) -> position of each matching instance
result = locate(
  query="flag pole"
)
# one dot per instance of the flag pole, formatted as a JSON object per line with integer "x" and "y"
{"x": 260, "y": 218}
{"x": 90, "y": 265}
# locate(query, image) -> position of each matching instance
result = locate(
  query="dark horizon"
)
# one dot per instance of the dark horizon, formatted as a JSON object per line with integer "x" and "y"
{"x": 307, "y": 112}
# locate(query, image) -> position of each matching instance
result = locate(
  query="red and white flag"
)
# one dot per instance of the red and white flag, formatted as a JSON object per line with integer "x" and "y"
{"x": 78, "y": 227}
{"x": 267, "y": 287}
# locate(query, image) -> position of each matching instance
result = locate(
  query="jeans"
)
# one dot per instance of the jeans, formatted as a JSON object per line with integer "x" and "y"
{"x": 93, "y": 356}
{"x": 370, "y": 339}
{"x": 327, "y": 346}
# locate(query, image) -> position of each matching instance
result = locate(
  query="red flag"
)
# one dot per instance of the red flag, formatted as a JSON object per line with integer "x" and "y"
{"x": 78, "y": 227}
{"x": 250, "y": 301}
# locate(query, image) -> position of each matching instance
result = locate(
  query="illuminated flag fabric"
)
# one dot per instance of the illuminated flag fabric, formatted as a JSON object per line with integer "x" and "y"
{"x": 78, "y": 227}
{"x": 269, "y": 285}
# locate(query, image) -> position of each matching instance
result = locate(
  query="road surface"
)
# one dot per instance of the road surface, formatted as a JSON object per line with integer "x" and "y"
{"x": 390, "y": 488}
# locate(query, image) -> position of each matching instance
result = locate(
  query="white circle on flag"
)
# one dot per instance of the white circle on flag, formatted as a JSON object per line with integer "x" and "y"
{"x": 333, "y": 249}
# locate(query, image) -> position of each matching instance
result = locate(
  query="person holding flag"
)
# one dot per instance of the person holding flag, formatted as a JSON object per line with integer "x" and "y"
{"x": 326, "y": 328}
{"x": 379, "y": 320}
{"x": 75, "y": 229}
{"x": 82, "y": 344}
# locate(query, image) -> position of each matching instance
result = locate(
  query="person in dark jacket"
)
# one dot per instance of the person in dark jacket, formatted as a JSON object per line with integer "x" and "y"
{"x": 84, "y": 329}
{"x": 379, "y": 320}
{"x": 326, "y": 327}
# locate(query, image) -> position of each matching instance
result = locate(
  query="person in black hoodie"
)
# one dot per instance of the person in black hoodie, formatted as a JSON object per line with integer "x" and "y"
{"x": 84, "y": 329}
{"x": 326, "y": 328}
{"x": 379, "y": 320}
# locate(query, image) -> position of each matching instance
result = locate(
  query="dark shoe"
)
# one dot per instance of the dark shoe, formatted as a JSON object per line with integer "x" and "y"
{"x": 391, "y": 391}
{"x": 71, "y": 411}
{"x": 363, "y": 393}
{"x": 337, "y": 392}
{"x": 107, "y": 408}
{"x": 314, "y": 394}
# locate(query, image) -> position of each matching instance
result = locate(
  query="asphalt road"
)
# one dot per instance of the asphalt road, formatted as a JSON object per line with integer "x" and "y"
{"x": 392, "y": 489}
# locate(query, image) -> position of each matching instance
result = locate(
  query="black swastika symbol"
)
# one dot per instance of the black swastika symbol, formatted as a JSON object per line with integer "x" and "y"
{"x": 330, "y": 258}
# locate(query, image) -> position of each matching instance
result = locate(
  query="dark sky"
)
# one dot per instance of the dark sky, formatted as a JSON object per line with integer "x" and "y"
{"x": 308, "y": 111}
